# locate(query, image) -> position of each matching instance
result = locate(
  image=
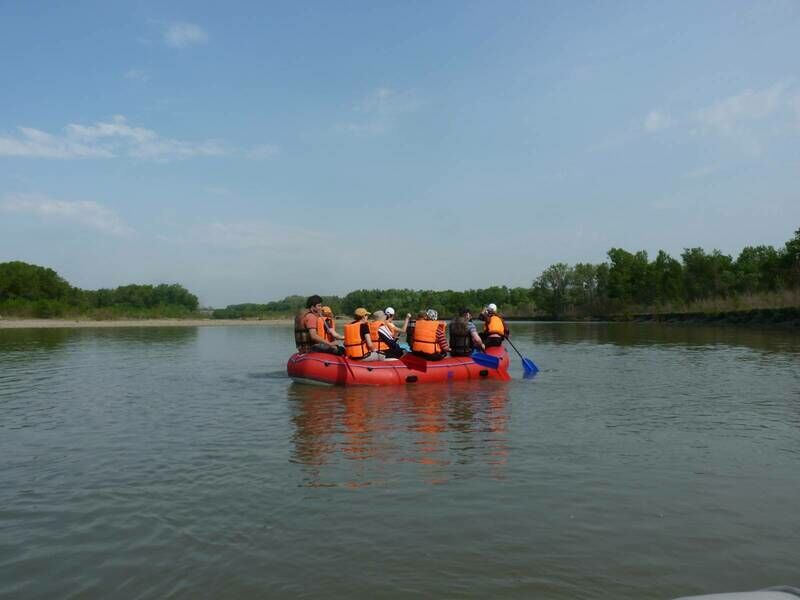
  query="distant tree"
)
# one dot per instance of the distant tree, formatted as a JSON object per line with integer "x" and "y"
{"x": 629, "y": 278}
{"x": 707, "y": 275}
{"x": 551, "y": 288}
{"x": 790, "y": 260}
{"x": 31, "y": 282}
{"x": 758, "y": 269}
{"x": 667, "y": 275}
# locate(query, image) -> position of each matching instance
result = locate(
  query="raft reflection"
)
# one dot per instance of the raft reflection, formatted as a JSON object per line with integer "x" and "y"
{"x": 363, "y": 436}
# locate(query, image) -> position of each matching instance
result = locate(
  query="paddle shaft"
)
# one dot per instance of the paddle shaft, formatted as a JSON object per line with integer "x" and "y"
{"x": 514, "y": 347}
{"x": 527, "y": 363}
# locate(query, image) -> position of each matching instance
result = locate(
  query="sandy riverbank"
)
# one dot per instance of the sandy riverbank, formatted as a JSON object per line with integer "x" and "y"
{"x": 73, "y": 323}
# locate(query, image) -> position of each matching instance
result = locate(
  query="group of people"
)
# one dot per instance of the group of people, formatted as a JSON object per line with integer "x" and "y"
{"x": 377, "y": 338}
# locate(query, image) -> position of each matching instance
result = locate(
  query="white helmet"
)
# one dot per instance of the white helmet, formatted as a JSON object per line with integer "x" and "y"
{"x": 389, "y": 311}
{"x": 432, "y": 315}
{"x": 492, "y": 307}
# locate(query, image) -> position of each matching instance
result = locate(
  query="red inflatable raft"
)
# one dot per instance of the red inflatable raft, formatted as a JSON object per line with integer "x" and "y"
{"x": 317, "y": 367}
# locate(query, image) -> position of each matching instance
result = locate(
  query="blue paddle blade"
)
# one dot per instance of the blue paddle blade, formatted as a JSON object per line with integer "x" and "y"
{"x": 528, "y": 366}
{"x": 486, "y": 360}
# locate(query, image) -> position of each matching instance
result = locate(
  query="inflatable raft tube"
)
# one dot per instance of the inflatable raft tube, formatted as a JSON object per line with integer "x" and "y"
{"x": 320, "y": 368}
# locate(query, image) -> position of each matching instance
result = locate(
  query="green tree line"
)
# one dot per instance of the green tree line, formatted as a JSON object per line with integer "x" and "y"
{"x": 629, "y": 281}
{"x": 626, "y": 282}
{"x": 518, "y": 301}
{"x": 32, "y": 291}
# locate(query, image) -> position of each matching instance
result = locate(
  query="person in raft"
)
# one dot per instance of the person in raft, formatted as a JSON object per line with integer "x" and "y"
{"x": 358, "y": 343}
{"x": 382, "y": 337}
{"x": 396, "y": 331}
{"x": 495, "y": 329}
{"x": 307, "y": 335}
{"x": 430, "y": 341}
{"x": 326, "y": 325}
{"x": 464, "y": 335}
{"x": 412, "y": 324}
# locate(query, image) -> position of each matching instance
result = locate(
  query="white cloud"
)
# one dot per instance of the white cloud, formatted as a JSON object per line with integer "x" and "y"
{"x": 87, "y": 213}
{"x": 746, "y": 122}
{"x": 727, "y": 115}
{"x": 657, "y": 120}
{"x": 106, "y": 140}
{"x": 380, "y": 110}
{"x": 137, "y": 75}
{"x": 263, "y": 152}
{"x": 38, "y": 144}
{"x": 183, "y": 35}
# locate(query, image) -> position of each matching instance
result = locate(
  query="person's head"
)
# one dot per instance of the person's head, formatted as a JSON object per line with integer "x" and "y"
{"x": 314, "y": 303}
{"x": 464, "y": 312}
{"x": 379, "y": 315}
{"x": 431, "y": 315}
{"x": 361, "y": 314}
{"x": 326, "y": 311}
{"x": 389, "y": 313}
{"x": 491, "y": 308}
{"x": 421, "y": 315}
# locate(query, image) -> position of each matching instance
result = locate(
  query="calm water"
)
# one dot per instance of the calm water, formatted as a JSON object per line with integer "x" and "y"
{"x": 643, "y": 462}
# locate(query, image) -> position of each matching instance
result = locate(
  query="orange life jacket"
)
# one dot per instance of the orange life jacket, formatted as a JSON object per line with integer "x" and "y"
{"x": 380, "y": 345}
{"x": 323, "y": 331}
{"x": 425, "y": 337}
{"x": 495, "y": 326}
{"x": 354, "y": 346}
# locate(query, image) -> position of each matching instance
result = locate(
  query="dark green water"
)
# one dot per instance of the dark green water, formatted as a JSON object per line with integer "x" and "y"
{"x": 643, "y": 462}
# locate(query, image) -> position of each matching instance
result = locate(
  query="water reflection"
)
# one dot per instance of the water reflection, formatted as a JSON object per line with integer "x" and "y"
{"x": 63, "y": 360}
{"x": 25, "y": 340}
{"x": 363, "y": 436}
{"x": 648, "y": 334}
{"x": 32, "y": 340}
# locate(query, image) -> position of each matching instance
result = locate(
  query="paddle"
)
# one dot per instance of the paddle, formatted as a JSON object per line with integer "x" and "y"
{"x": 349, "y": 368}
{"x": 527, "y": 364}
{"x": 486, "y": 360}
{"x": 414, "y": 362}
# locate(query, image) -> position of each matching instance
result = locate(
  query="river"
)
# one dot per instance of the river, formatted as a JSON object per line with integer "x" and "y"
{"x": 643, "y": 461}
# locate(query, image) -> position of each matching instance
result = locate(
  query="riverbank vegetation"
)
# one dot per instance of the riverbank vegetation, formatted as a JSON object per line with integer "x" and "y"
{"x": 760, "y": 277}
{"x": 628, "y": 285}
{"x": 31, "y": 291}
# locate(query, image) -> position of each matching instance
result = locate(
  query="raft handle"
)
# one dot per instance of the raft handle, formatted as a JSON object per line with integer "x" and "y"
{"x": 483, "y": 372}
{"x": 411, "y": 379}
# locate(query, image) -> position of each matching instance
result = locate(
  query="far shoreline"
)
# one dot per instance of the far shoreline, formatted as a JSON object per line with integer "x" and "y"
{"x": 11, "y": 323}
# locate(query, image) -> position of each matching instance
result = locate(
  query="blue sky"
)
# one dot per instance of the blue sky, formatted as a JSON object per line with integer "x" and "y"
{"x": 253, "y": 150}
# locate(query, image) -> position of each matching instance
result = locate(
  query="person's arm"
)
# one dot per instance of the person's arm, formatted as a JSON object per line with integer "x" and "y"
{"x": 477, "y": 341}
{"x": 405, "y": 324}
{"x": 311, "y": 324}
{"x": 441, "y": 339}
{"x": 366, "y": 337}
{"x": 334, "y": 333}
